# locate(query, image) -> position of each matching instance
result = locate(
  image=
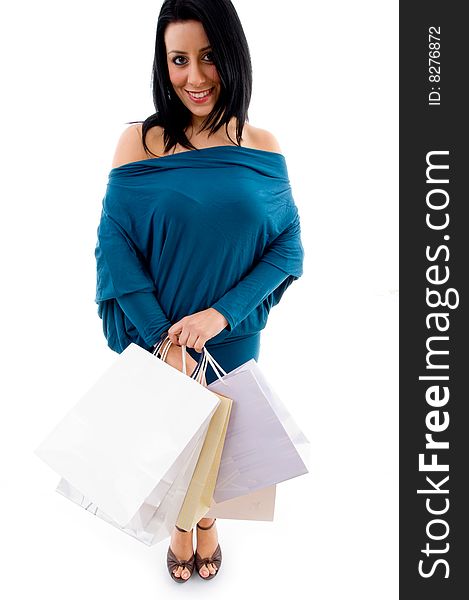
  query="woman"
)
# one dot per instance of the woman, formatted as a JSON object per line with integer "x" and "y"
{"x": 199, "y": 235}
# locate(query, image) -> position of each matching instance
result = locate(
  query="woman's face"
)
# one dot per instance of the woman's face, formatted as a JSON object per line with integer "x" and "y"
{"x": 190, "y": 66}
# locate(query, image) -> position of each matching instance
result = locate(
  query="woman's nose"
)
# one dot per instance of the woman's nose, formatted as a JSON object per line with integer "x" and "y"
{"x": 195, "y": 76}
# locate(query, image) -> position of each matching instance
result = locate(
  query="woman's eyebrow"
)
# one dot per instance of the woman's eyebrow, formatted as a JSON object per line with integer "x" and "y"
{"x": 182, "y": 51}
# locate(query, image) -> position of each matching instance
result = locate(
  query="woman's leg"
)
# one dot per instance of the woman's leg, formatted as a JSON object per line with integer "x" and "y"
{"x": 229, "y": 355}
{"x": 181, "y": 545}
{"x": 207, "y": 542}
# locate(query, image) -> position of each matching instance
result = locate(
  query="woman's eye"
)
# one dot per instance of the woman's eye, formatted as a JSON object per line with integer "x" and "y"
{"x": 177, "y": 58}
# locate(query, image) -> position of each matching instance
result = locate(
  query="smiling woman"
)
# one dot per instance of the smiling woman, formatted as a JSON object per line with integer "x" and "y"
{"x": 199, "y": 234}
{"x": 193, "y": 74}
{"x": 200, "y": 47}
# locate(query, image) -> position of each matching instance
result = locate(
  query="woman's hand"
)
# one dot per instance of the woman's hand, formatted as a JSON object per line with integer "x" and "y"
{"x": 196, "y": 329}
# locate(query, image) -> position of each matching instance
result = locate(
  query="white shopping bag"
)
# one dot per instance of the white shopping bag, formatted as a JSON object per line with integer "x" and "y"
{"x": 261, "y": 442}
{"x": 123, "y": 440}
{"x": 156, "y": 517}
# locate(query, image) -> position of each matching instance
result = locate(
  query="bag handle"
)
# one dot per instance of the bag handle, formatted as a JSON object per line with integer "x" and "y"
{"x": 215, "y": 366}
{"x": 163, "y": 346}
{"x": 200, "y": 368}
{"x": 203, "y": 368}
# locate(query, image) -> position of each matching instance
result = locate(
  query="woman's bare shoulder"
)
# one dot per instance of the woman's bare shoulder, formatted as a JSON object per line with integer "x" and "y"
{"x": 262, "y": 139}
{"x": 130, "y": 146}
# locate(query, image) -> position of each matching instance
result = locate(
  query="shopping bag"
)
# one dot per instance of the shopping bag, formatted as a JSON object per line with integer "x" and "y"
{"x": 151, "y": 523}
{"x": 124, "y": 439}
{"x": 200, "y": 492}
{"x": 299, "y": 439}
{"x": 256, "y": 506}
{"x": 258, "y": 450}
{"x": 150, "y": 527}
{"x": 157, "y": 516}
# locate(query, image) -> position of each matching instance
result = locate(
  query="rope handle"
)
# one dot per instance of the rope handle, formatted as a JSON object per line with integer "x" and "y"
{"x": 215, "y": 366}
{"x": 205, "y": 358}
{"x": 162, "y": 347}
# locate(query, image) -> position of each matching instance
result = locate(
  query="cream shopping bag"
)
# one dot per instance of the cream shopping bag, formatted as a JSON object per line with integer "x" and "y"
{"x": 199, "y": 495}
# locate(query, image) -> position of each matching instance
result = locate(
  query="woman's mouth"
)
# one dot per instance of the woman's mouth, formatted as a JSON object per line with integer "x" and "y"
{"x": 200, "y": 97}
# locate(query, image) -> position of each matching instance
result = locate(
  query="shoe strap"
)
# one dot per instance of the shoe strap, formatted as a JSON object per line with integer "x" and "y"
{"x": 209, "y": 527}
{"x": 185, "y": 563}
{"x": 215, "y": 559}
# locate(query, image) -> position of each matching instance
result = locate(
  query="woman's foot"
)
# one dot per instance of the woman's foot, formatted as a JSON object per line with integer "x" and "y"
{"x": 181, "y": 545}
{"x": 207, "y": 542}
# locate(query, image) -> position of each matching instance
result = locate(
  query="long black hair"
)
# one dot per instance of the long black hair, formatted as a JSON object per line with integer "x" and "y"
{"x": 233, "y": 63}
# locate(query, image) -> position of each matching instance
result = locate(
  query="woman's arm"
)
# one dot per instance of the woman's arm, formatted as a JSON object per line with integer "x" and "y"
{"x": 146, "y": 314}
{"x": 253, "y": 289}
{"x": 122, "y": 274}
{"x": 129, "y": 146}
{"x": 282, "y": 259}
{"x": 265, "y": 277}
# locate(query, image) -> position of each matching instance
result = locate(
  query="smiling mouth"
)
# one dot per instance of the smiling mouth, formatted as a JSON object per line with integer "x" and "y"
{"x": 199, "y": 95}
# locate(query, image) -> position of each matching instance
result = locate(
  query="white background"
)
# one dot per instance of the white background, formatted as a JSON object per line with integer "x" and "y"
{"x": 325, "y": 83}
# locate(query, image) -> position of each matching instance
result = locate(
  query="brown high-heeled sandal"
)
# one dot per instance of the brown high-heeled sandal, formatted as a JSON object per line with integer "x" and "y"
{"x": 173, "y": 562}
{"x": 215, "y": 558}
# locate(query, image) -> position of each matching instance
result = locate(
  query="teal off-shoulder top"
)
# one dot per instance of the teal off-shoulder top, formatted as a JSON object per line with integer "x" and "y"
{"x": 216, "y": 227}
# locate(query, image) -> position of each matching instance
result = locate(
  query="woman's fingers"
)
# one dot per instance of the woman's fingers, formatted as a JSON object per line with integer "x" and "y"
{"x": 173, "y": 338}
{"x": 191, "y": 340}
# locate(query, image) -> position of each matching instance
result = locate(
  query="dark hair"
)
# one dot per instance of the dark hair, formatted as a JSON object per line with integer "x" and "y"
{"x": 232, "y": 60}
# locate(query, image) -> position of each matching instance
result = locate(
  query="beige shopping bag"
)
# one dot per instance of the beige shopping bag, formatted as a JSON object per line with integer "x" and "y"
{"x": 256, "y": 506}
{"x": 199, "y": 495}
